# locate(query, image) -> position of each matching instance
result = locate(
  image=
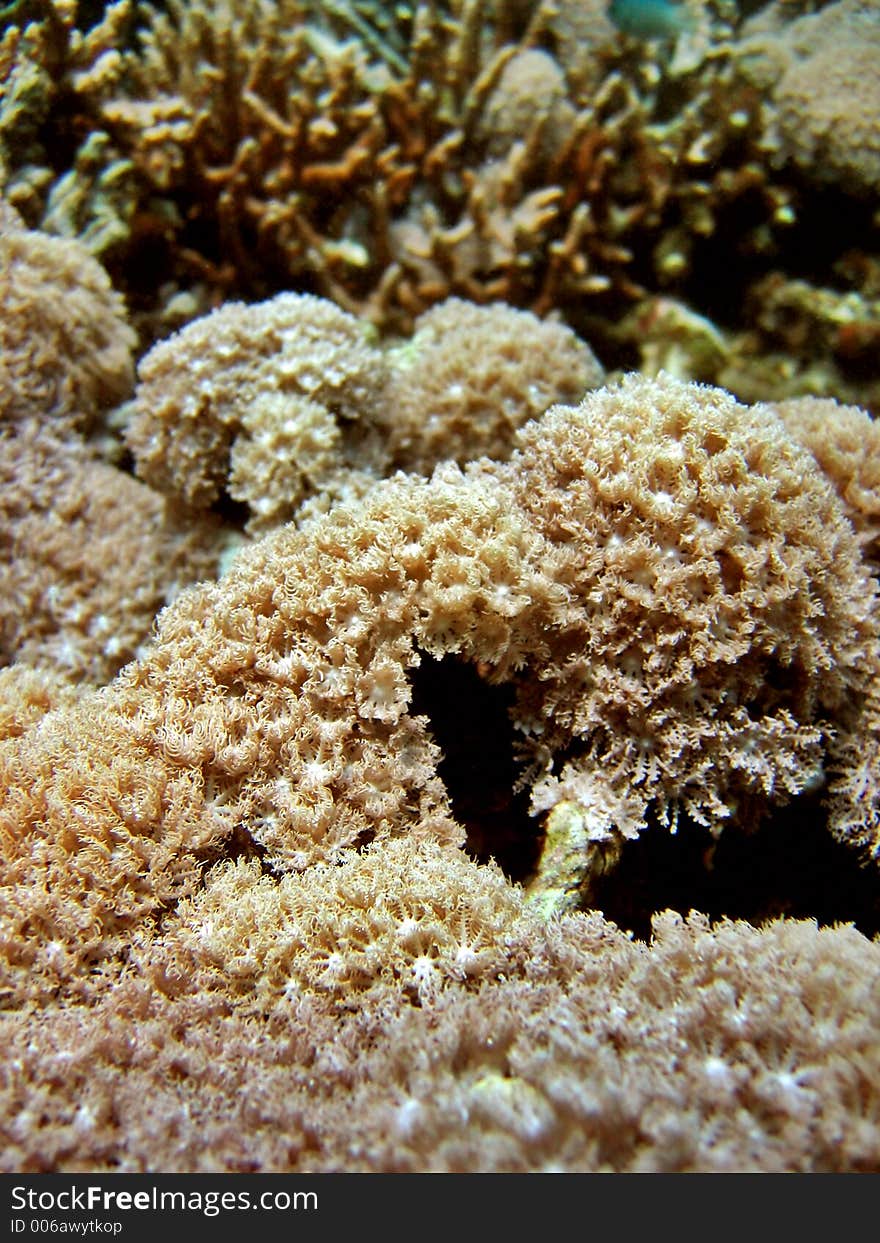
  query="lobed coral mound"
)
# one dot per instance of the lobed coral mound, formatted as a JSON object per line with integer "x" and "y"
{"x": 65, "y": 345}
{"x": 90, "y": 554}
{"x": 665, "y": 578}
{"x": 290, "y": 401}
{"x": 822, "y": 106}
{"x": 236, "y": 879}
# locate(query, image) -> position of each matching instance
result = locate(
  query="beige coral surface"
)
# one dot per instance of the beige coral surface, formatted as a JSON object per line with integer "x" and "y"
{"x": 246, "y": 920}
{"x": 724, "y": 1049}
{"x": 244, "y": 842}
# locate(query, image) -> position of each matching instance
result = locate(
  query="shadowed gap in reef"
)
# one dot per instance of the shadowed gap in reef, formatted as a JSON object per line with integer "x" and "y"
{"x": 470, "y": 722}
{"x": 789, "y": 866}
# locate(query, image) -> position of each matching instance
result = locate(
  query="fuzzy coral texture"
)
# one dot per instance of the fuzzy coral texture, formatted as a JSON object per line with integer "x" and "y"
{"x": 281, "y": 401}
{"x": 354, "y": 646}
{"x": 65, "y": 345}
{"x": 713, "y": 1049}
{"x": 822, "y": 109}
{"x": 189, "y": 844}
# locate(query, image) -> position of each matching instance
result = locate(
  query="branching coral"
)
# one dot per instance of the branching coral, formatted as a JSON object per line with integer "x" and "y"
{"x": 51, "y": 75}
{"x": 485, "y": 151}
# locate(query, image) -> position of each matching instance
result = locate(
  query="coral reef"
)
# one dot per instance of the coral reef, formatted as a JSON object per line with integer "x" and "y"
{"x": 665, "y": 577}
{"x": 821, "y": 110}
{"x": 716, "y": 1050}
{"x": 367, "y": 646}
{"x": 90, "y": 556}
{"x": 66, "y": 344}
{"x": 470, "y": 376}
{"x": 276, "y": 396}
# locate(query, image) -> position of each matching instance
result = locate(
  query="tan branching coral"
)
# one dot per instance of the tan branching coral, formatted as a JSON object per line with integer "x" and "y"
{"x": 264, "y": 402}
{"x": 389, "y": 161}
{"x": 269, "y": 122}
{"x": 65, "y": 343}
{"x": 52, "y": 73}
{"x": 471, "y": 375}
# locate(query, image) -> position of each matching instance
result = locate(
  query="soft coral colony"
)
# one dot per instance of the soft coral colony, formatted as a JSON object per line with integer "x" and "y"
{"x": 237, "y": 878}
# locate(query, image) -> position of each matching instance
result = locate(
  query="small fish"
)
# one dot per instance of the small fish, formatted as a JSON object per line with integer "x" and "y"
{"x": 651, "y": 19}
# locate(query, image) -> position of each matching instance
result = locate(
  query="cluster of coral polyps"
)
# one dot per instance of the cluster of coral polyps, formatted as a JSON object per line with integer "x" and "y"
{"x": 238, "y": 928}
{"x": 669, "y": 582}
{"x": 288, "y": 400}
{"x": 90, "y": 554}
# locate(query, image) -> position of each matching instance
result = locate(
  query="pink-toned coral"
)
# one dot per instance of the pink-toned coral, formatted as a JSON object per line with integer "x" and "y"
{"x": 92, "y": 555}
{"x": 65, "y": 343}
{"x": 725, "y": 1049}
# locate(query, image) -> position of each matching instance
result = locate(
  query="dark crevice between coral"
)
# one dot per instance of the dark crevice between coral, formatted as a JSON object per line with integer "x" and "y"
{"x": 828, "y": 223}
{"x": 470, "y": 722}
{"x": 788, "y": 866}
{"x": 238, "y": 845}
